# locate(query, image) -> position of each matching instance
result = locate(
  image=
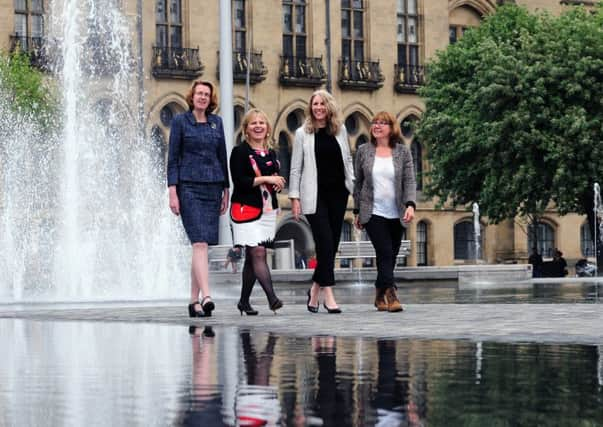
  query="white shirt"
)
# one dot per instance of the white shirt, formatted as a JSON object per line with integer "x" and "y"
{"x": 384, "y": 192}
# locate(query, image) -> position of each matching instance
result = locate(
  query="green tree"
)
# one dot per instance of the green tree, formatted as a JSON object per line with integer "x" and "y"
{"x": 514, "y": 115}
{"x": 28, "y": 89}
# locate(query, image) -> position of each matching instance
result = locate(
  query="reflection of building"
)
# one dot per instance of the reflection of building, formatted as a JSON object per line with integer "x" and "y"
{"x": 378, "y": 51}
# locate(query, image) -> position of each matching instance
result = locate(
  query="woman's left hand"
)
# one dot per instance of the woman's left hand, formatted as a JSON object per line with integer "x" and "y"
{"x": 409, "y": 214}
{"x": 224, "y": 204}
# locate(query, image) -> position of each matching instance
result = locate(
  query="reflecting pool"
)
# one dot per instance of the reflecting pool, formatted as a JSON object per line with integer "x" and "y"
{"x": 98, "y": 374}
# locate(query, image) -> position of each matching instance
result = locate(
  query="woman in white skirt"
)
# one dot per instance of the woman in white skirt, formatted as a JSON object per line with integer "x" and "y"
{"x": 255, "y": 174}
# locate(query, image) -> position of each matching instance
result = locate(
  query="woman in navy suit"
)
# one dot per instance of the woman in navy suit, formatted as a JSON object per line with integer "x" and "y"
{"x": 197, "y": 175}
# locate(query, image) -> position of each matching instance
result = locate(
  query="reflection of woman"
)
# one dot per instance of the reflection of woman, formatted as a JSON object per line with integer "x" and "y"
{"x": 197, "y": 175}
{"x": 321, "y": 179}
{"x": 331, "y": 405}
{"x": 255, "y": 169}
{"x": 204, "y": 405}
{"x": 384, "y": 193}
{"x": 391, "y": 396}
{"x": 257, "y": 402}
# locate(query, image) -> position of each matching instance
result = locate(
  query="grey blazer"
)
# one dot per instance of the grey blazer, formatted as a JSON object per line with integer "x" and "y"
{"x": 404, "y": 179}
{"x": 303, "y": 179}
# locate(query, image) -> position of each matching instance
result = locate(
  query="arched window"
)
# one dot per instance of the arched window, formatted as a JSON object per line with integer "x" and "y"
{"x": 586, "y": 241}
{"x": 159, "y": 148}
{"x": 352, "y": 124}
{"x": 545, "y": 238}
{"x": 417, "y": 159}
{"x": 284, "y": 156}
{"x": 464, "y": 241}
{"x": 421, "y": 243}
{"x": 239, "y": 112}
{"x": 295, "y": 120}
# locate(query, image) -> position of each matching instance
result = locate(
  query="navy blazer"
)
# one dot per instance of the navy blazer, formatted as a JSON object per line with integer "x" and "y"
{"x": 197, "y": 151}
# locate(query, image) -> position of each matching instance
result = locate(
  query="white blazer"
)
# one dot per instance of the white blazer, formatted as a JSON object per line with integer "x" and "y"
{"x": 303, "y": 174}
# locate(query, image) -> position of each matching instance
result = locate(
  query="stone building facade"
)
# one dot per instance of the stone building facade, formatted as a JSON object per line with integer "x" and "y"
{"x": 378, "y": 49}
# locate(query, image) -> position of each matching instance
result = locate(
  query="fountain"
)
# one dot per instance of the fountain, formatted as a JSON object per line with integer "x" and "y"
{"x": 83, "y": 213}
{"x": 476, "y": 231}
{"x": 598, "y": 215}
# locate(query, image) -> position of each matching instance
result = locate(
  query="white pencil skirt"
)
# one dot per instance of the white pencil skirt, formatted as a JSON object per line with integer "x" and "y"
{"x": 254, "y": 233}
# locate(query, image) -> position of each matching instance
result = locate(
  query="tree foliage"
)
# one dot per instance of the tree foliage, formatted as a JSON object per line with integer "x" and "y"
{"x": 514, "y": 114}
{"x": 27, "y": 89}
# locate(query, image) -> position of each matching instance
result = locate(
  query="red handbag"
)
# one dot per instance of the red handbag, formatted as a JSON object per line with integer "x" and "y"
{"x": 240, "y": 213}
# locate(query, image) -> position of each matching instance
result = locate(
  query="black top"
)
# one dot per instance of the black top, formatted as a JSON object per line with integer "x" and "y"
{"x": 243, "y": 174}
{"x": 329, "y": 162}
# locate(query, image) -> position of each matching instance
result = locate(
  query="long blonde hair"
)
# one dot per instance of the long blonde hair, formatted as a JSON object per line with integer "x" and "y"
{"x": 334, "y": 121}
{"x": 268, "y": 141}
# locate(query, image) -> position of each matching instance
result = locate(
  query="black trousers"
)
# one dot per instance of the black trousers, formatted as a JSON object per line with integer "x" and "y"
{"x": 386, "y": 237}
{"x": 326, "y": 226}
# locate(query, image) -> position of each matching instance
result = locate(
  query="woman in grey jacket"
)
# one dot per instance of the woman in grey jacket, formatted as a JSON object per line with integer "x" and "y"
{"x": 384, "y": 198}
{"x": 320, "y": 181}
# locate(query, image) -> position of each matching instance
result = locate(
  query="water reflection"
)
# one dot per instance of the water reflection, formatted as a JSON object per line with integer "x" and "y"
{"x": 76, "y": 373}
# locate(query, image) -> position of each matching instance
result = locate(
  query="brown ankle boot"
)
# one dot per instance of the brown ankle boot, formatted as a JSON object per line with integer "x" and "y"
{"x": 393, "y": 303}
{"x": 380, "y": 302}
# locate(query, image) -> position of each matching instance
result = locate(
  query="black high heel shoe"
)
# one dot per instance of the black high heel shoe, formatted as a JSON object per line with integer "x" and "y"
{"x": 246, "y": 308}
{"x": 208, "y": 306}
{"x": 194, "y": 313}
{"x": 311, "y": 308}
{"x": 335, "y": 310}
{"x": 276, "y": 305}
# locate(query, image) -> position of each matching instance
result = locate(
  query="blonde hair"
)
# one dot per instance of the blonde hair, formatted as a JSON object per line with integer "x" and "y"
{"x": 213, "y": 99}
{"x": 268, "y": 142}
{"x": 395, "y": 137}
{"x": 334, "y": 121}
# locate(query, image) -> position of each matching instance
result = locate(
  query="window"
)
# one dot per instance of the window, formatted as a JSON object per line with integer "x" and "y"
{"x": 455, "y": 32}
{"x": 239, "y": 26}
{"x": 168, "y": 23}
{"x": 408, "y": 33}
{"x": 352, "y": 30}
{"x": 586, "y": 241}
{"x": 294, "y": 28}
{"x": 284, "y": 156}
{"x": 29, "y": 20}
{"x": 421, "y": 243}
{"x": 351, "y": 124}
{"x": 159, "y": 148}
{"x": 408, "y": 132}
{"x": 545, "y": 237}
{"x": 464, "y": 241}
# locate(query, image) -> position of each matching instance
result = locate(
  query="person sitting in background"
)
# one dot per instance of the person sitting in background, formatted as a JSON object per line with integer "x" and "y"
{"x": 536, "y": 260}
{"x": 233, "y": 257}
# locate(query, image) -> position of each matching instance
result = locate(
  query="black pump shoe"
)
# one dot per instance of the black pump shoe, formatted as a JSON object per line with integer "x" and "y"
{"x": 246, "y": 308}
{"x": 276, "y": 304}
{"x": 208, "y": 306}
{"x": 311, "y": 308}
{"x": 194, "y": 313}
{"x": 335, "y": 310}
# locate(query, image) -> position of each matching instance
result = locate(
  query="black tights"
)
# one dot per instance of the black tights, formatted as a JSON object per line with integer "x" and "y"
{"x": 255, "y": 267}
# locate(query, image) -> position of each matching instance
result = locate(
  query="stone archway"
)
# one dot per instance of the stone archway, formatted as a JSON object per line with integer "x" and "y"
{"x": 301, "y": 234}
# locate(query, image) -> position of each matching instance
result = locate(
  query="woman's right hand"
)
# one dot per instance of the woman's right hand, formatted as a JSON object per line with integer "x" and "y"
{"x": 277, "y": 181}
{"x": 295, "y": 208}
{"x": 174, "y": 202}
{"x": 357, "y": 222}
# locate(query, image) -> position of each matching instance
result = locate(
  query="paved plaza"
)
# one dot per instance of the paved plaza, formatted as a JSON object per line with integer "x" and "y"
{"x": 558, "y": 323}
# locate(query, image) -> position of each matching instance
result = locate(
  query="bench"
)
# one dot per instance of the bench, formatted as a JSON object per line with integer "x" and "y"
{"x": 284, "y": 248}
{"x": 359, "y": 249}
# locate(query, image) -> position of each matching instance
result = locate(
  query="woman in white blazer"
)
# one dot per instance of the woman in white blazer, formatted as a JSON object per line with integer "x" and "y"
{"x": 321, "y": 179}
